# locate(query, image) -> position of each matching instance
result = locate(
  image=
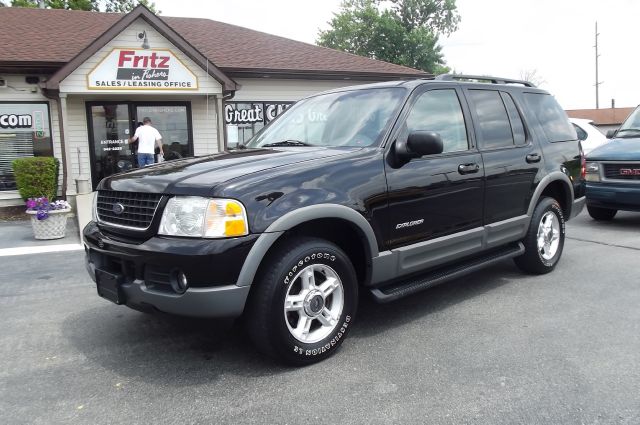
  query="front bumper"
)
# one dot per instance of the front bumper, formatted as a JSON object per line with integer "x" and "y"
{"x": 145, "y": 270}
{"x": 618, "y": 196}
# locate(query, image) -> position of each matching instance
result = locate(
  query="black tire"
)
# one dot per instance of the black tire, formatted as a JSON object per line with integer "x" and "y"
{"x": 533, "y": 260}
{"x": 601, "y": 214}
{"x": 280, "y": 276}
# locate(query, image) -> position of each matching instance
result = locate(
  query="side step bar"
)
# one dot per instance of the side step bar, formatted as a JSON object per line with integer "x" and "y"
{"x": 395, "y": 290}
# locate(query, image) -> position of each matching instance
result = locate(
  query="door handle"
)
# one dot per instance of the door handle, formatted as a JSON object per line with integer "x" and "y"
{"x": 533, "y": 157}
{"x": 468, "y": 168}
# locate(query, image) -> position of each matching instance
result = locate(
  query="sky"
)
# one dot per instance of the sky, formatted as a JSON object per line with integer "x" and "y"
{"x": 506, "y": 38}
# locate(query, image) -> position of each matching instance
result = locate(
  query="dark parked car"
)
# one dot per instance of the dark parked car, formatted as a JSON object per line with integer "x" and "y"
{"x": 613, "y": 172}
{"x": 386, "y": 188}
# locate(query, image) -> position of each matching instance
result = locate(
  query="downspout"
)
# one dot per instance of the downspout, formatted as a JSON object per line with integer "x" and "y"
{"x": 63, "y": 146}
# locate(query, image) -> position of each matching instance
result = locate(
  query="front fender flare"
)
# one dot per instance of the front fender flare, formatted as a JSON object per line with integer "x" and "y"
{"x": 291, "y": 220}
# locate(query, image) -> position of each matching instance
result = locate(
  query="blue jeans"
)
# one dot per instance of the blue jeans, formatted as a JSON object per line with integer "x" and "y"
{"x": 145, "y": 159}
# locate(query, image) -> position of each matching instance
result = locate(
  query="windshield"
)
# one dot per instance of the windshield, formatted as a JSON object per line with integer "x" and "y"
{"x": 349, "y": 118}
{"x": 631, "y": 126}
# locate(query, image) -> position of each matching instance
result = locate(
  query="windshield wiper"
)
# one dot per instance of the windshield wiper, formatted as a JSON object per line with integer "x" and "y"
{"x": 289, "y": 142}
{"x": 630, "y": 130}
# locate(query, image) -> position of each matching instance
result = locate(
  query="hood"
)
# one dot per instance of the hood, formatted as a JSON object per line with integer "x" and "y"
{"x": 200, "y": 175}
{"x": 627, "y": 149}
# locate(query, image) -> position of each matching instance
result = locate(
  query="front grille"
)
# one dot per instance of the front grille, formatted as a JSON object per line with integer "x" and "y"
{"x": 622, "y": 171}
{"x": 138, "y": 210}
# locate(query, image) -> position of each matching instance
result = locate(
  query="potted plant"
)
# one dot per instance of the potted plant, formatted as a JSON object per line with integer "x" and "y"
{"x": 48, "y": 219}
{"x": 37, "y": 181}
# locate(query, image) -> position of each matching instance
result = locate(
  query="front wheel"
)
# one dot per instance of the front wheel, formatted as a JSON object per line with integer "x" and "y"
{"x": 304, "y": 301}
{"x": 544, "y": 240}
{"x": 601, "y": 214}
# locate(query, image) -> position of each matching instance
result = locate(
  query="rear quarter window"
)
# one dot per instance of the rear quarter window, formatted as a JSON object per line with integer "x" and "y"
{"x": 551, "y": 116}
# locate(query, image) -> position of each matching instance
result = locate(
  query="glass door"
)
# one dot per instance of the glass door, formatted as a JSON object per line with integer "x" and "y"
{"x": 173, "y": 122}
{"x": 110, "y": 128}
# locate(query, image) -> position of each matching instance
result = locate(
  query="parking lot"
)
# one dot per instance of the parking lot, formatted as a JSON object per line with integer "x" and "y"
{"x": 496, "y": 347}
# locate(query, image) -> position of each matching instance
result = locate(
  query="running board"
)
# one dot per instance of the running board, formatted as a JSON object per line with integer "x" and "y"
{"x": 395, "y": 290}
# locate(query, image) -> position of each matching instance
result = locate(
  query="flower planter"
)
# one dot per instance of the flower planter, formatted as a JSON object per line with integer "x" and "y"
{"x": 53, "y": 227}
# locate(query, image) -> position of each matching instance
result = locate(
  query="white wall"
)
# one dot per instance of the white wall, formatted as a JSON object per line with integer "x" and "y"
{"x": 267, "y": 89}
{"x": 76, "y": 82}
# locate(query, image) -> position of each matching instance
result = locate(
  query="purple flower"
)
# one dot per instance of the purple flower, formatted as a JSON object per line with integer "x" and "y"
{"x": 42, "y": 215}
{"x": 31, "y": 203}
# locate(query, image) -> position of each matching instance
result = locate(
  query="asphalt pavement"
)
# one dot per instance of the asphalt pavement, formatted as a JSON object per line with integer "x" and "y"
{"x": 496, "y": 347}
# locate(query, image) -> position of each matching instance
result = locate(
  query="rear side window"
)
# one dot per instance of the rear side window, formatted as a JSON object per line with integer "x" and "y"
{"x": 551, "y": 117}
{"x": 582, "y": 135}
{"x": 516, "y": 121}
{"x": 494, "y": 126}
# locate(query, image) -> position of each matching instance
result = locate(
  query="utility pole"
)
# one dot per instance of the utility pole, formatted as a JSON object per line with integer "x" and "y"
{"x": 598, "y": 82}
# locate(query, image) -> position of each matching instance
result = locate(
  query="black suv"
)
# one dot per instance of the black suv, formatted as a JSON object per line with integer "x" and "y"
{"x": 387, "y": 188}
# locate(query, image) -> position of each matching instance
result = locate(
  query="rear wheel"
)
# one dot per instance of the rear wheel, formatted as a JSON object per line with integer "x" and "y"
{"x": 601, "y": 214}
{"x": 304, "y": 301}
{"x": 544, "y": 240}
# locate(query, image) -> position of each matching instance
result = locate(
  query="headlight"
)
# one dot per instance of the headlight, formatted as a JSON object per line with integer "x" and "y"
{"x": 203, "y": 218}
{"x": 593, "y": 172}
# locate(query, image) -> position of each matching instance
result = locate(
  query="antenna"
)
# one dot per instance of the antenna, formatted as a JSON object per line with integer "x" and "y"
{"x": 598, "y": 82}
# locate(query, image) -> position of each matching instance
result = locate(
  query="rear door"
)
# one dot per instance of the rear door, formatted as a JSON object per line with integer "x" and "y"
{"x": 435, "y": 195}
{"x": 511, "y": 157}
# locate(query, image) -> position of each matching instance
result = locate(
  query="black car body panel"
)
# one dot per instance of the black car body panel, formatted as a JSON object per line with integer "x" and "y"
{"x": 410, "y": 215}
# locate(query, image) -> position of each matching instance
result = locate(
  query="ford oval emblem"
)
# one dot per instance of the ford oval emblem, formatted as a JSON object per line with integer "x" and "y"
{"x": 118, "y": 208}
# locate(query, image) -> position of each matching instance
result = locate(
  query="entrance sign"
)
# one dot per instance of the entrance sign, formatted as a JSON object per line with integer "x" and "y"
{"x": 141, "y": 69}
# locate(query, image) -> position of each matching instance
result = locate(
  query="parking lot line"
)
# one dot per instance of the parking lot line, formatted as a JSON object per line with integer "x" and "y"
{"x": 25, "y": 250}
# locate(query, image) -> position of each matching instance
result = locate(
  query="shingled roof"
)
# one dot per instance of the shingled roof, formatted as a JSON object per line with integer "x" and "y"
{"x": 52, "y": 37}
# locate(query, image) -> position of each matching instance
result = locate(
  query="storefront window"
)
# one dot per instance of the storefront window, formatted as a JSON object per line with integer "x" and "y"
{"x": 244, "y": 119}
{"x": 24, "y": 131}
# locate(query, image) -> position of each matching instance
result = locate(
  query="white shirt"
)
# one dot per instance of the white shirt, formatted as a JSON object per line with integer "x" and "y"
{"x": 146, "y": 137}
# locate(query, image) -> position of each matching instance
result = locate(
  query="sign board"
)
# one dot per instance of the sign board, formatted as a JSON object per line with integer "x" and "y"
{"x": 251, "y": 113}
{"x": 141, "y": 69}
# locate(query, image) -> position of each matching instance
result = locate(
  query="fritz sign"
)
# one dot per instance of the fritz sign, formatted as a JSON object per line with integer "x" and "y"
{"x": 141, "y": 69}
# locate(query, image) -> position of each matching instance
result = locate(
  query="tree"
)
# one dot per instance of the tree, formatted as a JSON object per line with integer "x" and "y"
{"x": 124, "y": 6}
{"x": 121, "y": 6}
{"x": 59, "y": 4}
{"x": 406, "y": 33}
{"x": 532, "y": 76}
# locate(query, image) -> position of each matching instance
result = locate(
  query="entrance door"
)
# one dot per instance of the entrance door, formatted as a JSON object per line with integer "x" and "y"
{"x": 112, "y": 123}
{"x": 110, "y": 128}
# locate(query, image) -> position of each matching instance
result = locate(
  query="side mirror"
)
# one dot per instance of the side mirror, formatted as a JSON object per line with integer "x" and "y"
{"x": 611, "y": 134}
{"x": 422, "y": 143}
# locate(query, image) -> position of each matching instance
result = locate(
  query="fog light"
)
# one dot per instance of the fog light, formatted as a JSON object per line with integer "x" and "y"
{"x": 179, "y": 281}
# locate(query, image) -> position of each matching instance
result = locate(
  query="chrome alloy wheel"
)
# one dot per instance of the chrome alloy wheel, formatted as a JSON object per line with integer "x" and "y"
{"x": 313, "y": 303}
{"x": 548, "y": 235}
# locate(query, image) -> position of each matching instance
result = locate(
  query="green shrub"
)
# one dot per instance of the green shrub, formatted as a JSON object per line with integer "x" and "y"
{"x": 36, "y": 176}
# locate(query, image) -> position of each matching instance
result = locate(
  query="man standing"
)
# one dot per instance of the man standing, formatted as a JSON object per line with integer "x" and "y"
{"x": 147, "y": 138}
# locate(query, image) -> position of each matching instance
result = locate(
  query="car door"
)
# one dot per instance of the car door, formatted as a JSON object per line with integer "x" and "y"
{"x": 511, "y": 157}
{"x": 434, "y": 195}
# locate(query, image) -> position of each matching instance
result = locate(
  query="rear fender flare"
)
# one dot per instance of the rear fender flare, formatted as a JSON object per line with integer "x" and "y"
{"x": 542, "y": 185}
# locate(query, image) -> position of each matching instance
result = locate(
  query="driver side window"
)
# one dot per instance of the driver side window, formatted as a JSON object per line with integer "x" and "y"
{"x": 440, "y": 111}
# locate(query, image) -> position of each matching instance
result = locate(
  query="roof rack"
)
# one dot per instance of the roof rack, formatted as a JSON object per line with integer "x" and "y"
{"x": 492, "y": 80}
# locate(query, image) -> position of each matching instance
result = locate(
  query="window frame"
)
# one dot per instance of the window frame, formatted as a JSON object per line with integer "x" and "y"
{"x": 399, "y": 129}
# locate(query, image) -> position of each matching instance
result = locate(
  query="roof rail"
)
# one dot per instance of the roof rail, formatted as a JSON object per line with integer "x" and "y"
{"x": 492, "y": 80}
